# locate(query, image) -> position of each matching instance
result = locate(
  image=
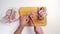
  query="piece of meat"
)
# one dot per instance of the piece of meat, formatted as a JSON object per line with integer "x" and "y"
{"x": 41, "y": 13}
{"x": 31, "y": 15}
{"x": 10, "y": 15}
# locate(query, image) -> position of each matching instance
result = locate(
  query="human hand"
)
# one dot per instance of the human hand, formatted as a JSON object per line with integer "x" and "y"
{"x": 38, "y": 30}
{"x": 31, "y": 15}
{"x": 23, "y": 20}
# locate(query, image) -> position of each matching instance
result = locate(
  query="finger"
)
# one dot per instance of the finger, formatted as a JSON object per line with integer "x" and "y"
{"x": 24, "y": 17}
{"x": 21, "y": 17}
{"x": 27, "y": 19}
{"x": 34, "y": 22}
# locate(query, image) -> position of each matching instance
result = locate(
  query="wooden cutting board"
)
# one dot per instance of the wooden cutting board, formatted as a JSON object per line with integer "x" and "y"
{"x": 23, "y": 11}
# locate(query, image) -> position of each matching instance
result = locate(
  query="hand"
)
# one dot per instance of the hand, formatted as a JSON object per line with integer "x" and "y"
{"x": 31, "y": 15}
{"x": 23, "y": 20}
{"x": 38, "y": 30}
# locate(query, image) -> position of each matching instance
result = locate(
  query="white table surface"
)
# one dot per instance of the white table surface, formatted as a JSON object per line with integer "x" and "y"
{"x": 53, "y": 17}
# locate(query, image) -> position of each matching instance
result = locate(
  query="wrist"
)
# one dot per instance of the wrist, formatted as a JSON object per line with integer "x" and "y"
{"x": 21, "y": 28}
{"x": 21, "y": 25}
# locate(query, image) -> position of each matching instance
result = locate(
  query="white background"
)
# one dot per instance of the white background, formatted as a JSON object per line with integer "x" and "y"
{"x": 53, "y": 17}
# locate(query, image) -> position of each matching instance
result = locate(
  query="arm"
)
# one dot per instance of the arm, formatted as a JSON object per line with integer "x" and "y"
{"x": 23, "y": 21}
{"x": 37, "y": 29}
{"x": 19, "y": 30}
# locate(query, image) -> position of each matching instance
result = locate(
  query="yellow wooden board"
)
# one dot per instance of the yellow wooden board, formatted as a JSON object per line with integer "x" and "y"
{"x": 23, "y": 11}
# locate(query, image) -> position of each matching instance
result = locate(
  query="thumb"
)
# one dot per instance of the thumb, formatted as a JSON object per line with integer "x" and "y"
{"x": 27, "y": 19}
{"x": 34, "y": 23}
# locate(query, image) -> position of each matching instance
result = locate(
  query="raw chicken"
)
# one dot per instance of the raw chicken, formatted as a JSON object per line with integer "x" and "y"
{"x": 10, "y": 16}
{"x": 41, "y": 13}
